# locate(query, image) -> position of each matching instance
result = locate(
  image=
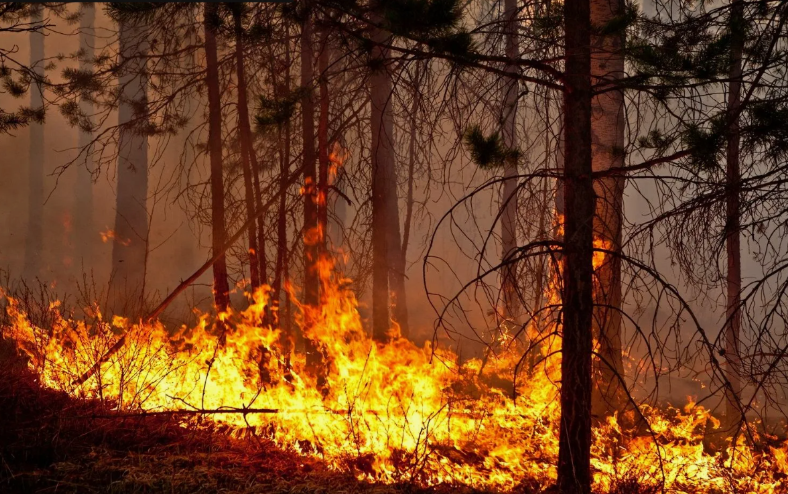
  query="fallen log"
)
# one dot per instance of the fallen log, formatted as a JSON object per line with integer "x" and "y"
{"x": 196, "y": 275}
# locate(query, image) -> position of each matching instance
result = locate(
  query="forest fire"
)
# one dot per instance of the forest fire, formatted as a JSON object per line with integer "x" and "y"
{"x": 394, "y": 246}
{"x": 391, "y": 412}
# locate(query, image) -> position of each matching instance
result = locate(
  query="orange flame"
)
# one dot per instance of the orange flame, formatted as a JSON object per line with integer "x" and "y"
{"x": 392, "y": 412}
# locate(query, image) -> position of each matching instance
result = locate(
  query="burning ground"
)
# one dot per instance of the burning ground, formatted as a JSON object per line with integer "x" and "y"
{"x": 208, "y": 410}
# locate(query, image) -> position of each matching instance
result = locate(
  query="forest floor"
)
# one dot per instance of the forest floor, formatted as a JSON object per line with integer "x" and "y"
{"x": 53, "y": 443}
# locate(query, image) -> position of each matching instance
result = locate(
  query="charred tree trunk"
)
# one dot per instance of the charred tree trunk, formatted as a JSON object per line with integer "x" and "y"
{"x": 247, "y": 149}
{"x": 733, "y": 413}
{"x": 607, "y": 151}
{"x": 509, "y": 195}
{"x": 574, "y": 442}
{"x": 85, "y": 232}
{"x": 130, "y": 246}
{"x": 311, "y": 282}
{"x": 221, "y": 288}
{"x": 34, "y": 243}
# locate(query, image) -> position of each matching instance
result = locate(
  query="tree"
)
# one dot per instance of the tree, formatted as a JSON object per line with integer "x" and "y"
{"x": 574, "y": 441}
{"x": 34, "y": 247}
{"x": 311, "y": 281}
{"x": 247, "y": 149}
{"x": 221, "y": 288}
{"x": 130, "y": 245}
{"x": 607, "y": 147}
{"x": 388, "y": 271}
{"x": 84, "y": 229}
{"x": 733, "y": 414}
{"x": 509, "y": 202}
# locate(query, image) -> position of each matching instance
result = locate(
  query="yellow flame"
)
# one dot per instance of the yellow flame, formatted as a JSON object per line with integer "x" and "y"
{"x": 391, "y": 412}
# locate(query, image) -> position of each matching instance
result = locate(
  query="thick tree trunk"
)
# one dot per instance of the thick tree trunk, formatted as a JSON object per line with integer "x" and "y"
{"x": 247, "y": 149}
{"x": 84, "y": 233}
{"x": 221, "y": 288}
{"x": 733, "y": 414}
{"x": 34, "y": 244}
{"x": 607, "y": 151}
{"x": 574, "y": 442}
{"x": 509, "y": 194}
{"x": 130, "y": 246}
{"x": 311, "y": 282}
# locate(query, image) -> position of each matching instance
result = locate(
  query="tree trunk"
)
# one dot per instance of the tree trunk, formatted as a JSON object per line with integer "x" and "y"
{"x": 574, "y": 442}
{"x": 322, "y": 141}
{"x": 247, "y": 149}
{"x": 311, "y": 282}
{"x": 607, "y": 151}
{"x": 221, "y": 288}
{"x": 412, "y": 138}
{"x": 130, "y": 246}
{"x": 733, "y": 413}
{"x": 85, "y": 232}
{"x": 382, "y": 122}
{"x": 34, "y": 245}
{"x": 509, "y": 194}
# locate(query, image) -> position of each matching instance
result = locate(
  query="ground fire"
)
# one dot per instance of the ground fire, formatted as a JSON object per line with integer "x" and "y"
{"x": 389, "y": 412}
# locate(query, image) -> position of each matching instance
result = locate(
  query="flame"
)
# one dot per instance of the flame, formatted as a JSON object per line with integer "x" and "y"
{"x": 109, "y": 234}
{"x": 388, "y": 412}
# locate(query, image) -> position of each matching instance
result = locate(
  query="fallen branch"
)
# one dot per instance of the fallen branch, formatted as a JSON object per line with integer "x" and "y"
{"x": 196, "y": 275}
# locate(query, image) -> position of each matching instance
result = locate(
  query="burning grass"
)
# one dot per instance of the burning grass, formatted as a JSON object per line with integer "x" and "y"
{"x": 393, "y": 414}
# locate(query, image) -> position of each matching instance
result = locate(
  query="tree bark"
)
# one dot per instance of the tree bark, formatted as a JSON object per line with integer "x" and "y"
{"x": 221, "y": 288}
{"x": 509, "y": 194}
{"x": 130, "y": 246}
{"x": 322, "y": 141}
{"x": 733, "y": 413}
{"x": 574, "y": 442}
{"x": 85, "y": 233}
{"x": 384, "y": 221}
{"x": 311, "y": 281}
{"x": 34, "y": 243}
{"x": 607, "y": 151}
{"x": 247, "y": 149}
{"x": 412, "y": 138}
{"x": 385, "y": 207}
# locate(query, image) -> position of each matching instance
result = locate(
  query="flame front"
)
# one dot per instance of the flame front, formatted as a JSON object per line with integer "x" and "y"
{"x": 393, "y": 412}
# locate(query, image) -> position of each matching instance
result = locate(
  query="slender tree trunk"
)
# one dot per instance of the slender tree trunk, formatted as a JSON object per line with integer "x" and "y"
{"x": 414, "y": 110}
{"x": 607, "y": 151}
{"x": 387, "y": 258}
{"x": 574, "y": 442}
{"x": 311, "y": 282}
{"x": 382, "y": 128}
{"x": 247, "y": 149}
{"x": 322, "y": 141}
{"x": 130, "y": 246}
{"x": 34, "y": 245}
{"x": 85, "y": 232}
{"x": 509, "y": 194}
{"x": 733, "y": 414}
{"x": 221, "y": 288}
{"x": 283, "y": 138}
